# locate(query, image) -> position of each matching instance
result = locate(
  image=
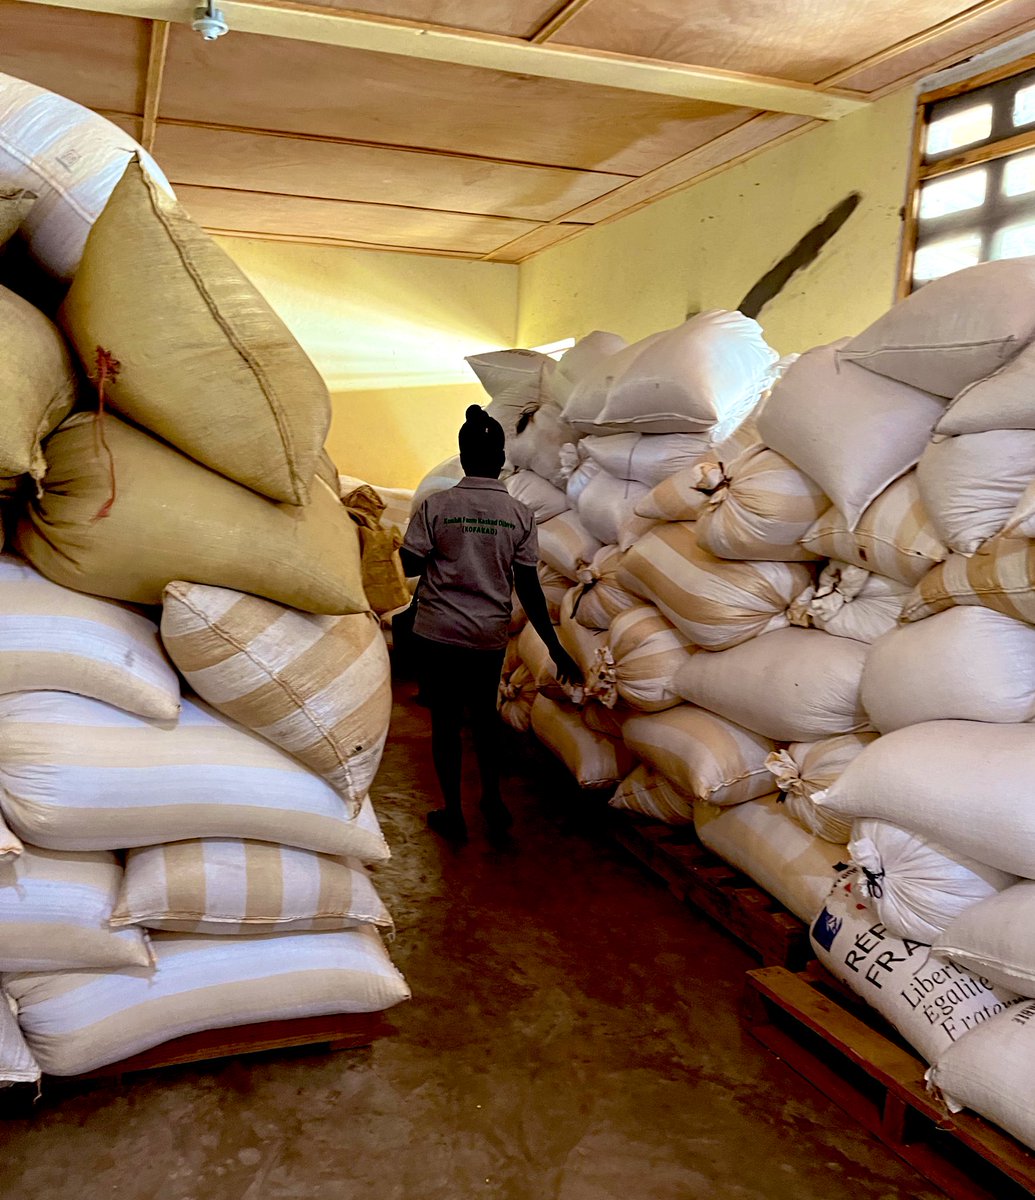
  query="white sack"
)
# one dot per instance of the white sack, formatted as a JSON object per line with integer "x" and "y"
{"x": 960, "y": 783}
{"x": 852, "y": 432}
{"x": 761, "y": 509}
{"x": 971, "y": 485}
{"x": 917, "y": 887}
{"x": 590, "y": 391}
{"x": 545, "y": 500}
{"x": 966, "y": 664}
{"x": 582, "y": 472}
{"x": 996, "y": 938}
{"x": 1005, "y": 400}
{"x": 566, "y": 545}
{"x": 762, "y": 840}
{"x": 954, "y": 330}
{"x": 930, "y": 1001}
{"x": 647, "y": 458}
{"x": 805, "y": 768}
{"x": 793, "y": 685}
{"x": 515, "y": 380}
{"x": 575, "y": 363}
{"x": 605, "y": 503}
{"x": 446, "y": 475}
{"x": 537, "y": 441}
{"x": 851, "y": 602}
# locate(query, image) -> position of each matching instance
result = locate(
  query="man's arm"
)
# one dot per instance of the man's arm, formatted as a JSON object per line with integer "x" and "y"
{"x": 530, "y": 592}
{"x": 412, "y": 564}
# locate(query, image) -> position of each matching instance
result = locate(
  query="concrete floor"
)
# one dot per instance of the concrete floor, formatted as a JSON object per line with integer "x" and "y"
{"x": 574, "y": 1036}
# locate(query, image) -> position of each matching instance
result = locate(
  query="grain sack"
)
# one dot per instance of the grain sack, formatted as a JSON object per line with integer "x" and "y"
{"x": 80, "y": 775}
{"x": 173, "y": 519}
{"x": 805, "y": 768}
{"x": 565, "y": 544}
{"x": 960, "y": 783}
{"x": 850, "y": 602}
{"x": 580, "y": 472}
{"x": 601, "y": 597}
{"x": 646, "y": 652}
{"x": 16, "y": 1062}
{"x": 704, "y": 756}
{"x": 966, "y": 664}
{"x": 999, "y": 576}
{"x": 555, "y": 588}
{"x": 581, "y": 643}
{"x": 536, "y": 443}
{"x": 930, "y": 1001}
{"x": 990, "y": 1071}
{"x": 533, "y": 653}
{"x": 318, "y": 687}
{"x": 573, "y": 365}
{"x": 227, "y": 886}
{"x": 438, "y": 479}
{"x": 37, "y": 383}
{"x": 852, "y": 432}
{"x": 794, "y": 685}
{"x": 381, "y": 569}
{"x": 82, "y": 1021}
{"x": 894, "y": 537}
{"x": 396, "y": 502}
{"x": 55, "y": 911}
{"x": 515, "y": 380}
{"x": 542, "y": 498}
{"x": 683, "y": 496}
{"x": 954, "y": 330}
{"x": 10, "y": 846}
{"x": 517, "y": 693}
{"x": 916, "y": 887}
{"x": 589, "y": 394}
{"x": 185, "y": 324}
{"x": 761, "y": 509}
{"x": 971, "y": 485}
{"x": 595, "y": 760}
{"x": 647, "y": 458}
{"x": 598, "y": 718}
{"x": 716, "y": 603}
{"x": 631, "y": 529}
{"x": 996, "y": 938}
{"x": 762, "y": 840}
{"x": 606, "y": 503}
{"x": 706, "y": 373}
{"x": 56, "y": 640}
{"x": 1002, "y": 401}
{"x": 1021, "y": 522}
{"x": 648, "y": 793}
{"x": 71, "y": 158}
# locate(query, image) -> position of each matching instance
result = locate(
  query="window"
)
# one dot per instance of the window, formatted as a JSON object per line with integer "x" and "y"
{"x": 973, "y": 181}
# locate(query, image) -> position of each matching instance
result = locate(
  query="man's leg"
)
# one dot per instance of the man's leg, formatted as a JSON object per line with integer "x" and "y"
{"x": 485, "y": 728}
{"x": 438, "y": 678}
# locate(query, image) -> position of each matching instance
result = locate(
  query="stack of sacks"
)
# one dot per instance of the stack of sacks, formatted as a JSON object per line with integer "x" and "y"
{"x": 242, "y": 807}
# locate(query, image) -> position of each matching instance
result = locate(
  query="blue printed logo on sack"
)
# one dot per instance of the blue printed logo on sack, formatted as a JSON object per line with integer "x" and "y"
{"x": 826, "y": 928}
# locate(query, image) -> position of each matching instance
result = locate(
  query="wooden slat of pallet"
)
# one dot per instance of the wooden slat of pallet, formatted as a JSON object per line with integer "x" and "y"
{"x": 344, "y": 1031}
{"x": 884, "y": 1090}
{"x": 706, "y": 883}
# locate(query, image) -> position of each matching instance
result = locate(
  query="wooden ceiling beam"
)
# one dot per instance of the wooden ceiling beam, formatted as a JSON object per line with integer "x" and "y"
{"x": 156, "y": 55}
{"x": 560, "y": 18}
{"x": 412, "y": 39}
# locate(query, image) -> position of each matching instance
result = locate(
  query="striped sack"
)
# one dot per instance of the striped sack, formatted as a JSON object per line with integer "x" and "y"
{"x": 54, "y": 914}
{"x": 595, "y": 760}
{"x": 10, "y": 846}
{"x": 517, "y": 691}
{"x": 16, "y": 1062}
{"x": 683, "y": 496}
{"x": 565, "y": 545}
{"x": 56, "y": 640}
{"x": 601, "y": 599}
{"x": 808, "y": 767}
{"x": 715, "y": 603}
{"x": 761, "y": 509}
{"x": 1000, "y": 576}
{"x": 850, "y": 602}
{"x": 80, "y": 775}
{"x": 702, "y": 755}
{"x": 894, "y": 536}
{"x": 646, "y": 652}
{"x": 80, "y": 1021}
{"x": 649, "y": 793}
{"x": 318, "y": 687}
{"x": 227, "y": 886}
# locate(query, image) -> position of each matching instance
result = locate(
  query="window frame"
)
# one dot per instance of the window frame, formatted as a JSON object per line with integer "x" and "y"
{"x": 993, "y": 149}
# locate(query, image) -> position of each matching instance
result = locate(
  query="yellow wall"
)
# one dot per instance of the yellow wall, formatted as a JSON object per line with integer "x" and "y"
{"x": 707, "y": 246}
{"x": 389, "y": 333}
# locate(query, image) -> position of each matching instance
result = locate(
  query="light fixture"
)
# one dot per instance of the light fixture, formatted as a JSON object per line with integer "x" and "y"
{"x": 209, "y": 22}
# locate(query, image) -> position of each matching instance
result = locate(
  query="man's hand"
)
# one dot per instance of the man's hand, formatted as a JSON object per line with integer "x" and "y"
{"x": 568, "y": 670}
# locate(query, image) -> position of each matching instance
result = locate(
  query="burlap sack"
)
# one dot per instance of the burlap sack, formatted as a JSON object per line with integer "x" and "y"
{"x": 173, "y": 519}
{"x": 204, "y": 362}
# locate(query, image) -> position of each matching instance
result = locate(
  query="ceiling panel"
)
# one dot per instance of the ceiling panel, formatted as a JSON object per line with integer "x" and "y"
{"x": 253, "y": 82}
{"x": 341, "y": 220}
{"x": 92, "y": 58}
{"x": 515, "y": 18}
{"x": 335, "y": 170}
{"x": 802, "y": 40}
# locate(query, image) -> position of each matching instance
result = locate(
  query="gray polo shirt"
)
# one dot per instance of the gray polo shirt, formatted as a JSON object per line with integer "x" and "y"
{"x": 472, "y": 535}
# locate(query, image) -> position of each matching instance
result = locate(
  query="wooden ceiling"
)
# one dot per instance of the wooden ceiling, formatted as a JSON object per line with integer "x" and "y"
{"x": 390, "y": 124}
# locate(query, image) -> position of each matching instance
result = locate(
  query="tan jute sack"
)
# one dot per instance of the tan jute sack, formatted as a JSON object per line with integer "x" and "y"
{"x": 204, "y": 362}
{"x": 173, "y": 519}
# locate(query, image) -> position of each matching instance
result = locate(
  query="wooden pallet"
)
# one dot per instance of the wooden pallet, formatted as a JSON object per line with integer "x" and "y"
{"x": 849, "y": 1053}
{"x": 713, "y": 887}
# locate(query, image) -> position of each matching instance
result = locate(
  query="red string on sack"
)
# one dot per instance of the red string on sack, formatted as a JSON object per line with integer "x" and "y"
{"x": 108, "y": 367}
